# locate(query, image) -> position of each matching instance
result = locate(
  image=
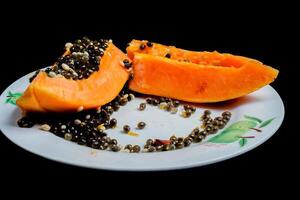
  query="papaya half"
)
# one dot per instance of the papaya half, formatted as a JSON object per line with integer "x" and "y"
{"x": 87, "y": 76}
{"x": 200, "y": 77}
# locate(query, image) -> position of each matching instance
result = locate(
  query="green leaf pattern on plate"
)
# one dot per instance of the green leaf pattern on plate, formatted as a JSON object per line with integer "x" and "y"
{"x": 267, "y": 122}
{"x": 238, "y": 129}
{"x": 233, "y": 132}
{"x": 253, "y": 118}
{"x": 243, "y": 142}
{"x": 13, "y": 97}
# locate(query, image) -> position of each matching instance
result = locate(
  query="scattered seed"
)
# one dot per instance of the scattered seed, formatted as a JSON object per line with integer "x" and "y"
{"x": 151, "y": 149}
{"x": 101, "y": 127}
{"x": 215, "y": 122}
{"x": 103, "y": 146}
{"x": 127, "y": 64}
{"x": 149, "y": 142}
{"x": 163, "y": 105}
{"x": 168, "y": 55}
{"x": 155, "y": 102}
{"x": 52, "y": 74}
{"x": 123, "y": 101}
{"x": 109, "y": 109}
{"x": 107, "y": 139}
{"x": 77, "y": 121}
{"x": 149, "y": 44}
{"x": 45, "y": 127}
{"x": 63, "y": 127}
{"x": 116, "y": 107}
{"x": 180, "y": 139}
{"x": 129, "y": 147}
{"x": 95, "y": 145}
{"x": 198, "y": 139}
{"x": 142, "y": 46}
{"x": 207, "y": 112}
{"x": 221, "y": 125}
{"x": 192, "y": 135}
{"x": 173, "y": 138}
{"x": 169, "y": 106}
{"x": 113, "y": 142}
{"x": 226, "y": 113}
{"x": 218, "y": 119}
{"x": 115, "y": 148}
{"x": 174, "y": 110}
{"x": 168, "y": 147}
{"x": 226, "y": 118}
{"x": 149, "y": 100}
{"x": 185, "y": 114}
{"x": 130, "y": 97}
{"x": 193, "y": 109}
{"x": 142, "y": 106}
{"x": 125, "y": 96}
{"x": 176, "y": 103}
{"x": 136, "y": 149}
{"x": 65, "y": 67}
{"x": 126, "y": 128}
{"x": 179, "y": 145}
{"x": 68, "y": 45}
{"x": 141, "y": 125}
{"x": 186, "y": 107}
{"x": 68, "y": 136}
{"x": 188, "y": 141}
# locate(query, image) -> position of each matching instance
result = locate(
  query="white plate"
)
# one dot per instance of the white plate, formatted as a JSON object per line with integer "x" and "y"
{"x": 263, "y": 104}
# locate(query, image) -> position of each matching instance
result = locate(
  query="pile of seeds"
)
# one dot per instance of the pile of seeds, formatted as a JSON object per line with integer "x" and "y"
{"x": 81, "y": 60}
{"x": 85, "y": 127}
{"x": 210, "y": 126}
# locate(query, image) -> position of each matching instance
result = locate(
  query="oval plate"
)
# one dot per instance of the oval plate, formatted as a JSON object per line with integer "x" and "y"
{"x": 262, "y": 110}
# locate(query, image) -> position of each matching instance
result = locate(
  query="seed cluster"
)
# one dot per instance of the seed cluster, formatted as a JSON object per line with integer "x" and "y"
{"x": 171, "y": 106}
{"x": 210, "y": 126}
{"x": 132, "y": 148}
{"x": 213, "y": 125}
{"x": 187, "y": 111}
{"x": 86, "y": 127}
{"x": 164, "y": 103}
{"x": 81, "y": 60}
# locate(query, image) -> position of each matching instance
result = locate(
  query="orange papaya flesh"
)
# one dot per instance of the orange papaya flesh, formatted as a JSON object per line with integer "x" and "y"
{"x": 200, "y": 77}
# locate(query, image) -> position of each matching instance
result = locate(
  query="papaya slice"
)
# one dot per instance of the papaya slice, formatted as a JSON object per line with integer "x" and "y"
{"x": 60, "y": 93}
{"x": 200, "y": 77}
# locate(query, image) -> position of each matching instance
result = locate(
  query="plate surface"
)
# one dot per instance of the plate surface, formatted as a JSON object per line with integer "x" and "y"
{"x": 262, "y": 109}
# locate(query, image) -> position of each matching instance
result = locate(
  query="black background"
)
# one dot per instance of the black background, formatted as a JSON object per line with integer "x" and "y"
{"x": 33, "y": 40}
